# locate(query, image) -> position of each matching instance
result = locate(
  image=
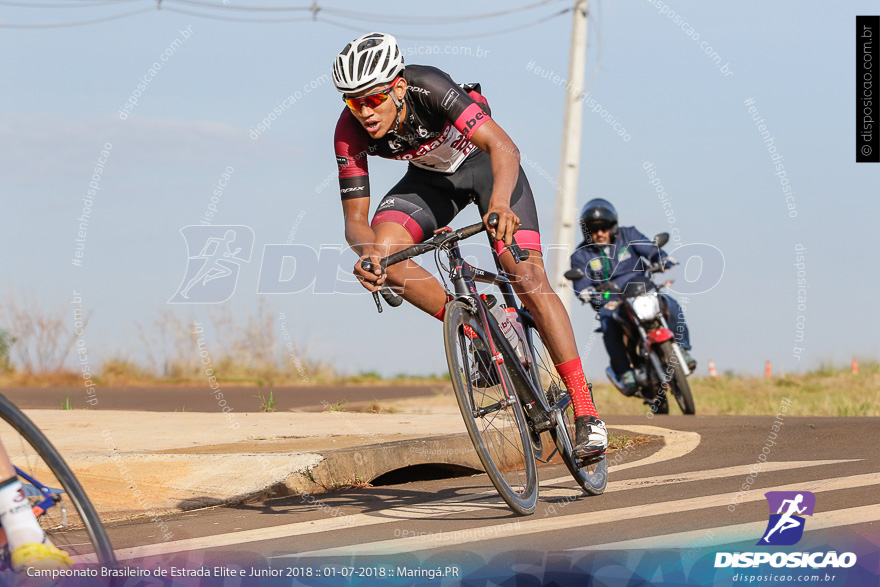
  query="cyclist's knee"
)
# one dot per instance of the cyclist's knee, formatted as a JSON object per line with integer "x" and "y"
{"x": 530, "y": 280}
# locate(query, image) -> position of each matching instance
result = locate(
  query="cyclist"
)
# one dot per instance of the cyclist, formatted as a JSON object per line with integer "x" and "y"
{"x": 614, "y": 253}
{"x": 457, "y": 154}
{"x": 27, "y": 543}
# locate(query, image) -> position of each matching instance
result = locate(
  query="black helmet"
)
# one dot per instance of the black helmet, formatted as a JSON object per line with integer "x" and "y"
{"x": 598, "y": 212}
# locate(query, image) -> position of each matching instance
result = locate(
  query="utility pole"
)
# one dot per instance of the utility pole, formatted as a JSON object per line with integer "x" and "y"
{"x": 566, "y": 200}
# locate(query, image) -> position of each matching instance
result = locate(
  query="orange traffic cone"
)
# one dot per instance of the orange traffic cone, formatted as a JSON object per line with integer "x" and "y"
{"x": 768, "y": 371}
{"x": 712, "y": 371}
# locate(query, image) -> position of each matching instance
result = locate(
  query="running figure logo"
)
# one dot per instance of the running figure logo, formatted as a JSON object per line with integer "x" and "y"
{"x": 786, "y": 526}
{"x": 212, "y": 274}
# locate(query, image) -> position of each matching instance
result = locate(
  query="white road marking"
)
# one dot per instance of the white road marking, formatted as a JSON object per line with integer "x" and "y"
{"x": 741, "y": 532}
{"x": 456, "y": 538}
{"x": 676, "y": 444}
{"x": 735, "y": 471}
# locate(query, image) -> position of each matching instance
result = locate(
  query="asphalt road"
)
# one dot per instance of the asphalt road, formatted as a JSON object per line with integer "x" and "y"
{"x": 679, "y": 493}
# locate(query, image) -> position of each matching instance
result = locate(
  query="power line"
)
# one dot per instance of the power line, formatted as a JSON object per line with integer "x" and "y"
{"x": 60, "y": 25}
{"x": 433, "y": 20}
{"x": 245, "y": 8}
{"x": 87, "y": 4}
{"x": 315, "y": 9}
{"x": 236, "y": 19}
{"x": 458, "y": 37}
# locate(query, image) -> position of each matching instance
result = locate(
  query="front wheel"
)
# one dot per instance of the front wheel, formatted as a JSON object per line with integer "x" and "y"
{"x": 677, "y": 380}
{"x": 592, "y": 477}
{"x": 35, "y": 456}
{"x": 491, "y": 409}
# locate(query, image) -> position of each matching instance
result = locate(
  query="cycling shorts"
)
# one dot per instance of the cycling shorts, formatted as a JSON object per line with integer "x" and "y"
{"x": 424, "y": 201}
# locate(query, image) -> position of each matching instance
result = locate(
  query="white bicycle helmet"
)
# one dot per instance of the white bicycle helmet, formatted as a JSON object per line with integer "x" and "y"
{"x": 370, "y": 60}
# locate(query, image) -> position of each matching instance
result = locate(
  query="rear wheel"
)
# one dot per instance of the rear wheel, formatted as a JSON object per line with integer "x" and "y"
{"x": 677, "y": 380}
{"x": 593, "y": 477}
{"x": 494, "y": 418}
{"x": 72, "y": 523}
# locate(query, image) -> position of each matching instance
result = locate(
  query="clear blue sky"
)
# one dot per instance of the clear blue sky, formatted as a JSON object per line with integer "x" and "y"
{"x": 61, "y": 90}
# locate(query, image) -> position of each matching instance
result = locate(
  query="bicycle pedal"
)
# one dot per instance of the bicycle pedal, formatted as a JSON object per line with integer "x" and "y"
{"x": 589, "y": 461}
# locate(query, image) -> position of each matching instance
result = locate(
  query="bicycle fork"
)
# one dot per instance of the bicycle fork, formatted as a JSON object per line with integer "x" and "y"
{"x": 463, "y": 277}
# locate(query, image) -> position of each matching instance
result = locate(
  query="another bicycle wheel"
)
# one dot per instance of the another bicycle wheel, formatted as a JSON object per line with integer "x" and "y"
{"x": 678, "y": 382}
{"x": 495, "y": 424}
{"x": 72, "y": 523}
{"x": 593, "y": 478}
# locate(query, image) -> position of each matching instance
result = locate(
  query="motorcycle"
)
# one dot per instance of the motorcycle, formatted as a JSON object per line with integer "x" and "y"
{"x": 652, "y": 351}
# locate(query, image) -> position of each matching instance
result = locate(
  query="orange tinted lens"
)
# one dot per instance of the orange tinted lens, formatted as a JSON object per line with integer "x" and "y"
{"x": 370, "y": 101}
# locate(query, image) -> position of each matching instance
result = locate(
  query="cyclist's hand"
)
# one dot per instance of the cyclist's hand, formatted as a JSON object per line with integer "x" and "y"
{"x": 508, "y": 223}
{"x": 372, "y": 280}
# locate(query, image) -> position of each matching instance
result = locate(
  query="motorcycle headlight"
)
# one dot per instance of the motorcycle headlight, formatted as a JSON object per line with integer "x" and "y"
{"x": 646, "y": 307}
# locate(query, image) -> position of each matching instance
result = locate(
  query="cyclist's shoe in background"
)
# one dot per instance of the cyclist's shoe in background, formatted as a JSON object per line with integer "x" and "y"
{"x": 630, "y": 385}
{"x": 40, "y": 555}
{"x": 689, "y": 360}
{"x": 590, "y": 438}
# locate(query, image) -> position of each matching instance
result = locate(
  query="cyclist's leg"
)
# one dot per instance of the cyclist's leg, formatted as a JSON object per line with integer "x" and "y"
{"x": 420, "y": 203}
{"x": 26, "y": 540}
{"x": 529, "y": 280}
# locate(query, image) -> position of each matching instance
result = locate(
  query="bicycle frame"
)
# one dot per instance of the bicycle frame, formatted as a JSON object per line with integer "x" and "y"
{"x": 463, "y": 276}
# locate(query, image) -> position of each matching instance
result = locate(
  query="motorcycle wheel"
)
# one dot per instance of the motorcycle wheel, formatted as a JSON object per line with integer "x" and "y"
{"x": 678, "y": 383}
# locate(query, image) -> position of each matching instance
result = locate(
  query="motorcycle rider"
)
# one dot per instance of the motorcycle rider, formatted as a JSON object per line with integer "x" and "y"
{"x": 615, "y": 253}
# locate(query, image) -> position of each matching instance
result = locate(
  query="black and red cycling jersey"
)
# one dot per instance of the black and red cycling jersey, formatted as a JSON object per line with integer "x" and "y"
{"x": 441, "y": 116}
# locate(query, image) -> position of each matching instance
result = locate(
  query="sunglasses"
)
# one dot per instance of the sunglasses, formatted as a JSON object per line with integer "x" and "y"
{"x": 594, "y": 228}
{"x": 370, "y": 100}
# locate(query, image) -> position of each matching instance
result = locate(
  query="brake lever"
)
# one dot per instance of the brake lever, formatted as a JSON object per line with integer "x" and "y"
{"x": 391, "y": 298}
{"x": 367, "y": 266}
{"x": 518, "y": 253}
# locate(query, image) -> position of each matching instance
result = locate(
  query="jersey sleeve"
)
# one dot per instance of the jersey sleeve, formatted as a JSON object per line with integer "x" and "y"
{"x": 644, "y": 246}
{"x": 352, "y": 148}
{"x": 465, "y": 110}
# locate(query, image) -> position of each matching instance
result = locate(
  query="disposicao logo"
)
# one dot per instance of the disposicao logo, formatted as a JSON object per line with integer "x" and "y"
{"x": 212, "y": 273}
{"x": 785, "y": 528}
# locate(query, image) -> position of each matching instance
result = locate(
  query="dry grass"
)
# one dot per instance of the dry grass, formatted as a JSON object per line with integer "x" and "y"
{"x": 827, "y": 391}
{"x": 41, "y": 338}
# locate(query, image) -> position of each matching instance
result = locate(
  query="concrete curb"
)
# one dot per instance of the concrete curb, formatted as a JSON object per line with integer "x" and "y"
{"x": 133, "y": 485}
{"x": 348, "y": 466}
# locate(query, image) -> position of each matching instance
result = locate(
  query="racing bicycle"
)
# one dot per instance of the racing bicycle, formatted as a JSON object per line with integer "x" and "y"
{"x": 508, "y": 396}
{"x": 57, "y": 498}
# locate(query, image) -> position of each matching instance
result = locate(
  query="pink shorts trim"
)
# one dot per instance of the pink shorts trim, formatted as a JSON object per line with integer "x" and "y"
{"x": 401, "y": 218}
{"x": 526, "y": 239}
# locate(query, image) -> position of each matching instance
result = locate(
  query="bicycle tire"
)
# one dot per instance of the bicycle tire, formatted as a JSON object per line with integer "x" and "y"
{"x": 103, "y": 550}
{"x": 681, "y": 389}
{"x": 502, "y": 468}
{"x": 592, "y": 478}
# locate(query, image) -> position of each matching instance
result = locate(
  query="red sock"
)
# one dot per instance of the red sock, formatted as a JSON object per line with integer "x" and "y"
{"x": 439, "y": 315}
{"x": 572, "y": 373}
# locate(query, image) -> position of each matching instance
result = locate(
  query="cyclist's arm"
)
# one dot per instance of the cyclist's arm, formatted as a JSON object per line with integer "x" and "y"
{"x": 644, "y": 246}
{"x": 492, "y": 139}
{"x": 358, "y": 233}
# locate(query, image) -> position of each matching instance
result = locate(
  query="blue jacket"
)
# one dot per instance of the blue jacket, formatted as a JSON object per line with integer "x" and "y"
{"x": 618, "y": 262}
